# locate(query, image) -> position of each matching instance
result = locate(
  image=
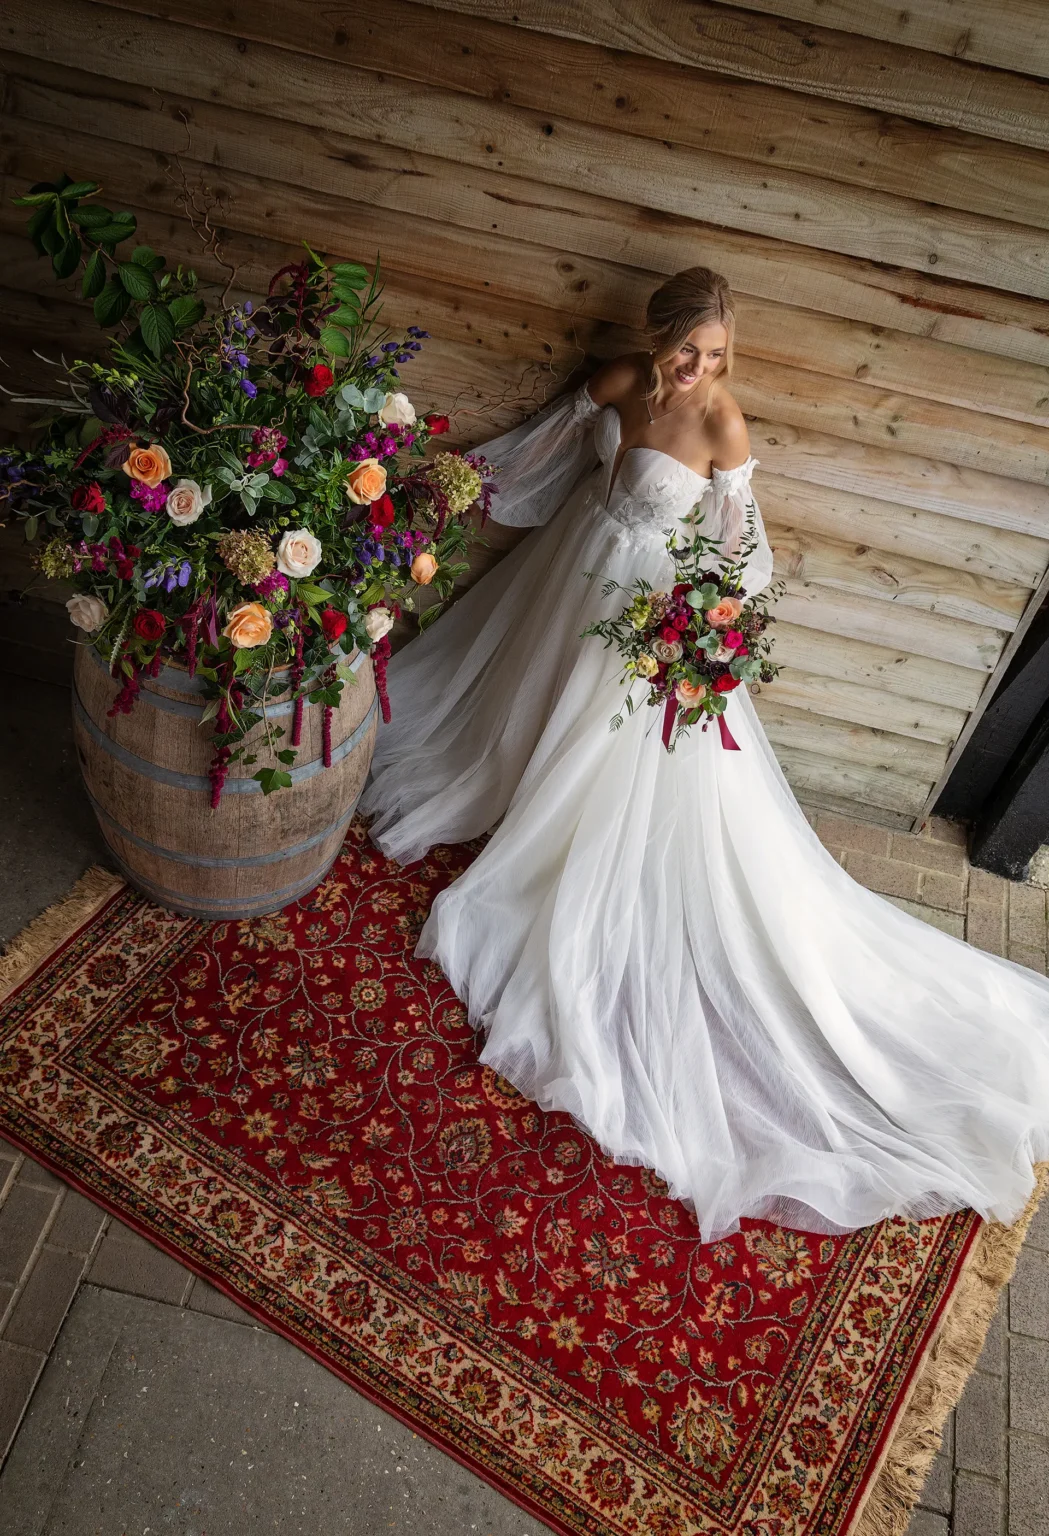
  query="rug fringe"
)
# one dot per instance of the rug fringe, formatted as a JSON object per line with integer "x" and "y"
{"x": 55, "y": 924}
{"x": 942, "y": 1375}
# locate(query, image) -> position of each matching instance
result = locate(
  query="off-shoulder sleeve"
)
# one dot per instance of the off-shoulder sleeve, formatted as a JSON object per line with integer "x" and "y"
{"x": 539, "y": 464}
{"x": 739, "y": 518}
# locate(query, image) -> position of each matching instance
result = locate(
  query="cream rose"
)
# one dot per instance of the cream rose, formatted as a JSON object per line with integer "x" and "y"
{"x": 249, "y": 625}
{"x": 365, "y": 482}
{"x": 424, "y": 568}
{"x": 88, "y": 613}
{"x": 397, "y": 411}
{"x": 667, "y": 651}
{"x": 689, "y": 695}
{"x": 298, "y": 553}
{"x": 646, "y": 665}
{"x": 186, "y": 501}
{"x": 378, "y": 622}
{"x": 150, "y": 465}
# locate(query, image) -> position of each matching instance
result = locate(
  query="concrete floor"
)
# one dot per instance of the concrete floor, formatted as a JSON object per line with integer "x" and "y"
{"x": 161, "y": 1407}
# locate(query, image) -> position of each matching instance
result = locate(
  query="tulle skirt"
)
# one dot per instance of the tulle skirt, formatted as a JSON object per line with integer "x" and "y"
{"x": 658, "y": 943}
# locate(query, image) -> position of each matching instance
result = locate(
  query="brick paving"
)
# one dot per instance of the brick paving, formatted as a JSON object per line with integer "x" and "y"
{"x": 990, "y": 1478}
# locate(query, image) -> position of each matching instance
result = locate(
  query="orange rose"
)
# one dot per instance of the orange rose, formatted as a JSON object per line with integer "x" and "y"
{"x": 424, "y": 568}
{"x": 150, "y": 465}
{"x": 366, "y": 481}
{"x": 723, "y": 613}
{"x": 689, "y": 695}
{"x": 249, "y": 624}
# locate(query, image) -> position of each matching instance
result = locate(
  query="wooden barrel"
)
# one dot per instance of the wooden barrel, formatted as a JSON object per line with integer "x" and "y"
{"x": 146, "y": 775}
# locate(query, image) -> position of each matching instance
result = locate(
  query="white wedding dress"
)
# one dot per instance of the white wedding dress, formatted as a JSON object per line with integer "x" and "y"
{"x": 658, "y": 943}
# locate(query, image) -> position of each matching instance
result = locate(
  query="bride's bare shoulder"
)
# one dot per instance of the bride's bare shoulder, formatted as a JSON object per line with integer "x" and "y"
{"x": 615, "y": 380}
{"x": 726, "y": 431}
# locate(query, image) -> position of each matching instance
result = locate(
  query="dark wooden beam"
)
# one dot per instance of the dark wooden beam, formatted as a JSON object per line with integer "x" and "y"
{"x": 1015, "y": 821}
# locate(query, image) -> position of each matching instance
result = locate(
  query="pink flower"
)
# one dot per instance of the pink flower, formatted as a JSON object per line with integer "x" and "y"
{"x": 276, "y": 581}
{"x": 279, "y": 466}
{"x": 733, "y": 639}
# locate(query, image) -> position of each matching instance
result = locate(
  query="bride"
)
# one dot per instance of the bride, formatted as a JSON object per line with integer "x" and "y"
{"x": 658, "y": 943}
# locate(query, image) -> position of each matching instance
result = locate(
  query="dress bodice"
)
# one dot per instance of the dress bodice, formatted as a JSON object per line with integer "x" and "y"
{"x": 652, "y": 491}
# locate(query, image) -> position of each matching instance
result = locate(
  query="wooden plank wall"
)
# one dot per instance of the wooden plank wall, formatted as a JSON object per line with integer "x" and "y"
{"x": 873, "y": 182}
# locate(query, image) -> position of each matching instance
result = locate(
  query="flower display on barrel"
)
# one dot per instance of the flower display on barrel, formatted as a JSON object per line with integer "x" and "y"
{"x": 695, "y": 643}
{"x": 242, "y": 487}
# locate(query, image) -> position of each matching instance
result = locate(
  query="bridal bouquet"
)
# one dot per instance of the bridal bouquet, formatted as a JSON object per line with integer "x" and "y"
{"x": 692, "y": 645}
{"x": 241, "y": 487}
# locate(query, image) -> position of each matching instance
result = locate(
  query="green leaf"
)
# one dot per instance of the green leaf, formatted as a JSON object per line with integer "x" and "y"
{"x": 51, "y": 237}
{"x": 272, "y": 778}
{"x": 346, "y": 317}
{"x": 430, "y": 615}
{"x": 273, "y": 490}
{"x": 33, "y": 200}
{"x": 144, "y": 256}
{"x": 210, "y": 710}
{"x": 111, "y": 234}
{"x": 335, "y": 342}
{"x": 94, "y": 275}
{"x": 92, "y": 217}
{"x": 311, "y": 593}
{"x": 158, "y": 328}
{"x": 112, "y": 303}
{"x": 37, "y": 224}
{"x": 137, "y": 282}
{"x": 350, "y": 395}
{"x": 186, "y": 311}
{"x": 31, "y": 526}
{"x": 351, "y": 273}
{"x": 243, "y": 660}
{"x": 374, "y": 400}
{"x": 66, "y": 261}
{"x": 288, "y": 755}
{"x": 78, "y": 189}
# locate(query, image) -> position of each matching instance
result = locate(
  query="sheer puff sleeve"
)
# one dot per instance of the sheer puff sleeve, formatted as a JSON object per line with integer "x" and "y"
{"x": 737, "y": 515}
{"x": 540, "y": 463}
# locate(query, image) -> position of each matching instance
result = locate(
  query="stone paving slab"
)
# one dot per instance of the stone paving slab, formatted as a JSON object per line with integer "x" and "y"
{"x": 151, "y": 1417}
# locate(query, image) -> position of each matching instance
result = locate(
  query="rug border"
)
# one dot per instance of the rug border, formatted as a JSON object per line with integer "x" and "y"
{"x": 912, "y": 1438}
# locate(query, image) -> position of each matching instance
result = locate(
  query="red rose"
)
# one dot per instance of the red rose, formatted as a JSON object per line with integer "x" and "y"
{"x": 149, "y": 624}
{"x": 681, "y": 621}
{"x": 88, "y": 498}
{"x": 681, "y": 588}
{"x": 725, "y": 683}
{"x": 437, "y": 424}
{"x": 319, "y": 379}
{"x": 383, "y": 511}
{"x": 333, "y": 623}
{"x": 668, "y": 633}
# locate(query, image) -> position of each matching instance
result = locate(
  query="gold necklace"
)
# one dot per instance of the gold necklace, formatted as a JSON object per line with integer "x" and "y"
{"x": 653, "y": 419}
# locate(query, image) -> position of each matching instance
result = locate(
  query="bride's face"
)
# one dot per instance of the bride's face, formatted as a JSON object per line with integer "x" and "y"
{"x": 701, "y": 353}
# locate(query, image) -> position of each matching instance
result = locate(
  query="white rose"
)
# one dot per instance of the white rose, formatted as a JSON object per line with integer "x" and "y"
{"x": 397, "y": 411}
{"x": 667, "y": 650}
{"x": 186, "y": 501}
{"x": 88, "y": 613}
{"x": 724, "y": 653}
{"x": 378, "y": 622}
{"x": 298, "y": 553}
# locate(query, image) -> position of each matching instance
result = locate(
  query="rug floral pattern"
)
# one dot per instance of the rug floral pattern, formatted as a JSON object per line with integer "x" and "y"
{"x": 293, "y": 1105}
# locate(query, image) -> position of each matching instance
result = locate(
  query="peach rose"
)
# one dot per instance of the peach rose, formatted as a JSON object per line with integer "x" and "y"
{"x": 667, "y": 651}
{"x": 150, "y": 465}
{"x": 724, "y": 612}
{"x": 249, "y": 624}
{"x": 689, "y": 695}
{"x": 366, "y": 481}
{"x": 424, "y": 568}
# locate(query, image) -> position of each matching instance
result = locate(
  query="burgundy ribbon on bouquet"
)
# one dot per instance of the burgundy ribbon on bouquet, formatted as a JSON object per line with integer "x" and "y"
{"x": 728, "y": 741}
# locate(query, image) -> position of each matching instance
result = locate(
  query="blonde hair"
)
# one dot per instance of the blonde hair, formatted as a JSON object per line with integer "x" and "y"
{"x": 687, "y": 300}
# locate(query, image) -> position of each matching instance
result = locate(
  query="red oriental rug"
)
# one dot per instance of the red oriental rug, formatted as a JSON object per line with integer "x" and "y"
{"x": 293, "y": 1107}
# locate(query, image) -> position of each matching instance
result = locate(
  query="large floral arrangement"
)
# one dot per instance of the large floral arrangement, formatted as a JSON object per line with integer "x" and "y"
{"x": 692, "y": 645}
{"x": 241, "y": 487}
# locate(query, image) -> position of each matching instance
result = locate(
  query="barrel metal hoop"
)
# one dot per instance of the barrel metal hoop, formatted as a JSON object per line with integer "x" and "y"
{"x": 211, "y": 908}
{"x": 203, "y": 860}
{"x": 195, "y": 781}
{"x": 171, "y": 677}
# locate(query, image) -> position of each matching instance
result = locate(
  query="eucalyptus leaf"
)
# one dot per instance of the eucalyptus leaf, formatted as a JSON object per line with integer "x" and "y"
{"x": 350, "y": 395}
{"x": 374, "y": 400}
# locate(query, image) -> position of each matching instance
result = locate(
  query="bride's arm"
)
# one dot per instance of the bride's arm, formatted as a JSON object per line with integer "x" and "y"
{"x": 736, "y": 512}
{"x": 538, "y": 464}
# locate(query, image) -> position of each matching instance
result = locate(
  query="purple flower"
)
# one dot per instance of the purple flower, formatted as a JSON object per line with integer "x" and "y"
{"x": 409, "y": 439}
{"x": 371, "y": 362}
{"x": 185, "y": 570}
{"x": 153, "y": 499}
{"x": 278, "y": 467}
{"x": 388, "y": 446}
{"x": 242, "y": 359}
{"x": 404, "y": 357}
{"x": 358, "y": 451}
{"x": 249, "y": 388}
{"x": 249, "y": 308}
{"x": 389, "y": 346}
